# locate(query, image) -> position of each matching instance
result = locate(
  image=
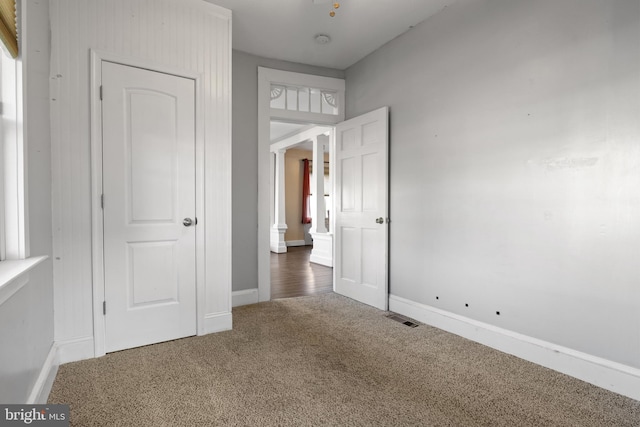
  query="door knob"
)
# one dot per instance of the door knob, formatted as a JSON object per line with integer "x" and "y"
{"x": 187, "y": 222}
{"x": 380, "y": 220}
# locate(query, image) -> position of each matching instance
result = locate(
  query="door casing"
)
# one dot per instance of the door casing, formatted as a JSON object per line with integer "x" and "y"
{"x": 97, "y": 237}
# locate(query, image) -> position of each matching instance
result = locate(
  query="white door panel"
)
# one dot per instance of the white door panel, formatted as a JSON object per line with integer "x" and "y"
{"x": 152, "y": 157}
{"x": 361, "y": 199}
{"x": 149, "y": 188}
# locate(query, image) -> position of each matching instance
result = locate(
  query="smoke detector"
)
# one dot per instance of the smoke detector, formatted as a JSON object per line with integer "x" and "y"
{"x": 322, "y": 39}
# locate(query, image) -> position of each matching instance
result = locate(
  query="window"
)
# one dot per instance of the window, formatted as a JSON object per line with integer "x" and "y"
{"x": 8, "y": 28}
{"x": 305, "y": 99}
{"x": 3, "y": 107}
{"x": 14, "y": 251}
{"x": 12, "y": 188}
{"x": 8, "y": 132}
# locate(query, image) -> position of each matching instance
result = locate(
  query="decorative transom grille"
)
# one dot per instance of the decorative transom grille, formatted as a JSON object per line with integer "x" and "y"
{"x": 305, "y": 99}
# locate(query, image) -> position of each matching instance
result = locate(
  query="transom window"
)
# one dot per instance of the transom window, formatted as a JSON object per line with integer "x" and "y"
{"x": 304, "y": 99}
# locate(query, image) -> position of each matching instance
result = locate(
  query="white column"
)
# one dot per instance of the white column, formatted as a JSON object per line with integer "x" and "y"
{"x": 272, "y": 189}
{"x": 317, "y": 185}
{"x": 322, "y": 252}
{"x": 278, "y": 244}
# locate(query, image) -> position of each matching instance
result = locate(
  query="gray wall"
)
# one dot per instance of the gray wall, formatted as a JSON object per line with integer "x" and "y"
{"x": 515, "y": 166}
{"x": 26, "y": 319}
{"x": 245, "y": 159}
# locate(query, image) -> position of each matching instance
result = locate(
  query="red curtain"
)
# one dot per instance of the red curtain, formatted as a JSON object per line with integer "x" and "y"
{"x": 306, "y": 193}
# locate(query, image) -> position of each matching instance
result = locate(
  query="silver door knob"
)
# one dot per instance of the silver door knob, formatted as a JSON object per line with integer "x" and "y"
{"x": 380, "y": 220}
{"x": 187, "y": 222}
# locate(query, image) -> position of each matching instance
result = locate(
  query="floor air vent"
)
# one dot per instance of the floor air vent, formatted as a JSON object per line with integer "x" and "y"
{"x": 402, "y": 320}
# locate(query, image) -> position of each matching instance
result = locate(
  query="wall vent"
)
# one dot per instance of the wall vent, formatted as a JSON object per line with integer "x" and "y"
{"x": 403, "y": 320}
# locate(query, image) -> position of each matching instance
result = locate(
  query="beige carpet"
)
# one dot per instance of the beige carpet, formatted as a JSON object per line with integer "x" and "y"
{"x": 328, "y": 361}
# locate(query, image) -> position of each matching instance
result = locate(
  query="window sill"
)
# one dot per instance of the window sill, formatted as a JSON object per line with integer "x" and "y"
{"x": 13, "y": 277}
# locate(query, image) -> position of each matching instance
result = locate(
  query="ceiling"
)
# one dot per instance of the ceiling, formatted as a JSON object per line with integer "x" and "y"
{"x": 285, "y": 29}
{"x": 282, "y": 129}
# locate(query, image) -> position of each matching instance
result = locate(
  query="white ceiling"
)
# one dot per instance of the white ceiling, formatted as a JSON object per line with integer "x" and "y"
{"x": 285, "y": 29}
{"x": 282, "y": 129}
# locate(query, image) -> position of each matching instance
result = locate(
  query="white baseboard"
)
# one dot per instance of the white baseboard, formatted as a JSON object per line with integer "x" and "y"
{"x": 317, "y": 259}
{"x": 296, "y": 243}
{"x": 217, "y": 322}
{"x": 601, "y": 372}
{"x": 75, "y": 349}
{"x": 42, "y": 387}
{"x": 244, "y": 297}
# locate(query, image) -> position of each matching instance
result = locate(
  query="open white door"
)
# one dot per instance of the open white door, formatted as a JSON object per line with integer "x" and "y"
{"x": 361, "y": 208}
{"x": 148, "y": 125}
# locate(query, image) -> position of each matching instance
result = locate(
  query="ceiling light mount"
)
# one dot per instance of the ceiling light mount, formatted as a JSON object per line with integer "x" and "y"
{"x": 322, "y": 39}
{"x": 336, "y": 5}
{"x": 333, "y": 3}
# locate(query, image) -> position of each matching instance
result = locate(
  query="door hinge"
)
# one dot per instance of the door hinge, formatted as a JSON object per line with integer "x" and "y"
{"x": 104, "y": 307}
{"x": 100, "y": 92}
{"x": 102, "y": 201}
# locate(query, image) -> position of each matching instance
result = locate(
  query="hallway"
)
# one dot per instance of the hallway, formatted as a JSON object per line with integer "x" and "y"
{"x": 292, "y": 275}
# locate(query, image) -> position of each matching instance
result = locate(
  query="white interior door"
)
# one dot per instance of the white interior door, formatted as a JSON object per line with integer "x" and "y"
{"x": 361, "y": 208}
{"x": 148, "y": 129}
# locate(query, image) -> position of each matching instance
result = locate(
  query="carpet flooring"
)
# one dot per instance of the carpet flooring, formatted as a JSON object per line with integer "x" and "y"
{"x": 328, "y": 361}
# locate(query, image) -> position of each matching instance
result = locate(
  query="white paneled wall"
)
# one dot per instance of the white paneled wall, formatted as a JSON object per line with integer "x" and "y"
{"x": 191, "y": 35}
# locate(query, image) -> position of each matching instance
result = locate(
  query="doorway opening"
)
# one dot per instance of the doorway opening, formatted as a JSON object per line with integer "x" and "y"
{"x": 292, "y": 275}
{"x": 301, "y": 260}
{"x": 359, "y": 148}
{"x": 291, "y": 98}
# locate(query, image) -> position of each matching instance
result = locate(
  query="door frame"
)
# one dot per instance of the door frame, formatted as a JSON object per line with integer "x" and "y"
{"x": 266, "y": 77}
{"x": 97, "y": 219}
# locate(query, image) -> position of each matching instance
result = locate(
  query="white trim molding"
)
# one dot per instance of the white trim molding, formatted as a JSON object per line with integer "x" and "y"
{"x": 245, "y": 297}
{"x": 76, "y": 349}
{"x": 296, "y": 243}
{"x": 42, "y": 387}
{"x": 601, "y": 372}
{"x": 13, "y": 275}
{"x": 216, "y": 322}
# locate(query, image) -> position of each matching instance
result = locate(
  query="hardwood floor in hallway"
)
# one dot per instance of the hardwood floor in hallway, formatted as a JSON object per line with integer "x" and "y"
{"x": 292, "y": 275}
